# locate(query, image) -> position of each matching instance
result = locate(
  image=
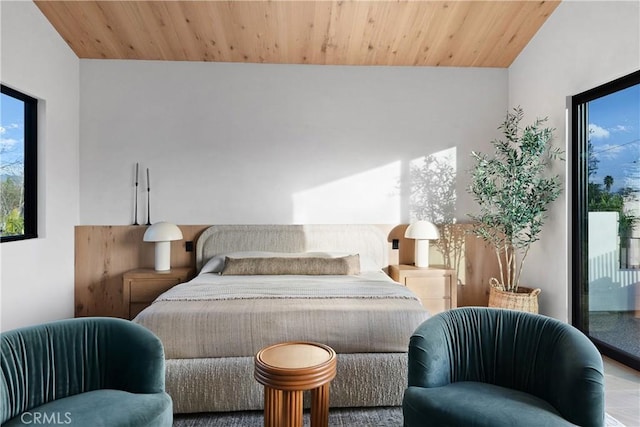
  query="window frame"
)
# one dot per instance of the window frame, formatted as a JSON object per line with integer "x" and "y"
{"x": 30, "y": 165}
{"x": 580, "y": 211}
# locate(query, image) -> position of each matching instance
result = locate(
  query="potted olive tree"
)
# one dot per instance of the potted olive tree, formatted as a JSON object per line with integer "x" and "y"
{"x": 514, "y": 189}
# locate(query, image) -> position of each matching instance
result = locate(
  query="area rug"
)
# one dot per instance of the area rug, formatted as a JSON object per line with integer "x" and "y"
{"x": 338, "y": 417}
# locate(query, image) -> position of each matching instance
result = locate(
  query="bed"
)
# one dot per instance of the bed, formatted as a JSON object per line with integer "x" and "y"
{"x": 262, "y": 284}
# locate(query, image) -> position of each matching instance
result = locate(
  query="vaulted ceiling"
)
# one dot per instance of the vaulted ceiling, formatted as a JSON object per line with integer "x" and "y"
{"x": 415, "y": 33}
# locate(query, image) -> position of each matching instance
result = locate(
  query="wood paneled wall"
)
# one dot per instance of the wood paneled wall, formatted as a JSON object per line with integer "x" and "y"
{"x": 104, "y": 253}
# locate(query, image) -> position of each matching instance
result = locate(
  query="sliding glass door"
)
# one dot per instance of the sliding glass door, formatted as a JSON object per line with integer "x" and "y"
{"x": 606, "y": 216}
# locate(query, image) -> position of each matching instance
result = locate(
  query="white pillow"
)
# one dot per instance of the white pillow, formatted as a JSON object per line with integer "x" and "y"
{"x": 216, "y": 264}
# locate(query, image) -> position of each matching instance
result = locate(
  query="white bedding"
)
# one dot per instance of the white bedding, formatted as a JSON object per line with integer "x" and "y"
{"x": 211, "y": 286}
{"x": 235, "y": 316}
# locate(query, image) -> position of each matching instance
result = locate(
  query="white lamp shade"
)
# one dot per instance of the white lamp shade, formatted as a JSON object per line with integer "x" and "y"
{"x": 422, "y": 230}
{"x": 162, "y": 232}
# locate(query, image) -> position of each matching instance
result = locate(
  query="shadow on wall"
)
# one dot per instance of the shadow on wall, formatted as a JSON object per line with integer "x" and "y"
{"x": 421, "y": 189}
{"x": 433, "y": 198}
{"x": 433, "y": 187}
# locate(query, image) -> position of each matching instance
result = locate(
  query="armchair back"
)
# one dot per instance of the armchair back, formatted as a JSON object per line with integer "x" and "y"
{"x": 50, "y": 361}
{"x": 527, "y": 352}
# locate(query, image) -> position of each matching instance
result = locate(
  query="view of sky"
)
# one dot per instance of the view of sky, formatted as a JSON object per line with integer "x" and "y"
{"x": 11, "y": 134}
{"x": 614, "y": 127}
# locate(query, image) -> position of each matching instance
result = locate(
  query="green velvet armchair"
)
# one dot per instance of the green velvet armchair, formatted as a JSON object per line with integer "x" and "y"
{"x": 490, "y": 368}
{"x": 83, "y": 372}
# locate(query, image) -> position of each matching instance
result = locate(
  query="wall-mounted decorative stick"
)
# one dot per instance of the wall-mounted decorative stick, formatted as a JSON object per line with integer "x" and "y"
{"x": 148, "y": 199}
{"x": 135, "y": 221}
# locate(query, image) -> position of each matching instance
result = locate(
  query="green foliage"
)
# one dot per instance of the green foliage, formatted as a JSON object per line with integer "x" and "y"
{"x": 514, "y": 192}
{"x": 608, "y": 182}
{"x": 602, "y": 200}
{"x": 11, "y": 207}
{"x": 13, "y": 223}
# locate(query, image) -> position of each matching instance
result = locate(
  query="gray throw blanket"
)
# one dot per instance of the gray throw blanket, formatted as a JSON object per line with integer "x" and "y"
{"x": 209, "y": 287}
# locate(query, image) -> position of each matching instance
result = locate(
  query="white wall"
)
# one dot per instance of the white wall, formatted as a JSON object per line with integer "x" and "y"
{"x": 582, "y": 45}
{"x": 610, "y": 287}
{"x": 37, "y": 274}
{"x": 255, "y": 143}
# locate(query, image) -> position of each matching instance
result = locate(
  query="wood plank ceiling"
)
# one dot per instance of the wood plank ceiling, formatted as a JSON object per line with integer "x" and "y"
{"x": 415, "y": 33}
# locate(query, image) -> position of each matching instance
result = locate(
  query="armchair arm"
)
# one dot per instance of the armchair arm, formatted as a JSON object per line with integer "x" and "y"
{"x": 136, "y": 358}
{"x": 578, "y": 379}
{"x": 429, "y": 355}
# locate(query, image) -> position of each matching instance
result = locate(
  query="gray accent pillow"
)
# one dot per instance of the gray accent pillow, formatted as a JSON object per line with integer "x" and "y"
{"x": 347, "y": 265}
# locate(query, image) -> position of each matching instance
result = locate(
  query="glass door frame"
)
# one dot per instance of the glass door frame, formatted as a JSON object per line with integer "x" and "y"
{"x": 579, "y": 169}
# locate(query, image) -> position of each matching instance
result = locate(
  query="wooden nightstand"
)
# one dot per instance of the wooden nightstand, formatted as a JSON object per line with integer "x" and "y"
{"x": 437, "y": 288}
{"x": 141, "y": 286}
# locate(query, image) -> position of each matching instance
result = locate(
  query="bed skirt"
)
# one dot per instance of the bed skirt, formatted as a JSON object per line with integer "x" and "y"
{"x": 227, "y": 384}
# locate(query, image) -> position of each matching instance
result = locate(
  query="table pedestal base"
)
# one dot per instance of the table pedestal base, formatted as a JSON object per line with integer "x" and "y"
{"x": 286, "y": 371}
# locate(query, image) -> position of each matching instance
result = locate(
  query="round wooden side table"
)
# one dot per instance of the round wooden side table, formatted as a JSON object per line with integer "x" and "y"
{"x": 288, "y": 369}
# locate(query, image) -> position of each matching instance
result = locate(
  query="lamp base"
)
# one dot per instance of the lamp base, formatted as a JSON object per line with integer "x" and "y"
{"x": 422, "y": 253}
{"x": 163, "y": 256}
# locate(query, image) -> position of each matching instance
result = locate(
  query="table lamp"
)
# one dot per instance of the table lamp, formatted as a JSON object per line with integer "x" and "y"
{"x": 422, "y": 232}
{"x": 162, "y": 233}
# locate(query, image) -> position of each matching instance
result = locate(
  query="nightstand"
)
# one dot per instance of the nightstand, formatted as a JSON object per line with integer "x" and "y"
{"x": 436, "y": 287}
{"x": 141, "y": 286}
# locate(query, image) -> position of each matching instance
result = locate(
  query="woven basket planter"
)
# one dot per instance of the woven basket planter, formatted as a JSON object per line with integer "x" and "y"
{"x": 525, "y": 299}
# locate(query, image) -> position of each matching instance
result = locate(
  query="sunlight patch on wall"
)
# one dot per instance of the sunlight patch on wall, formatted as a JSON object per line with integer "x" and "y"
{"x": 370, "y": 197}
{"x": 432, "y": 196}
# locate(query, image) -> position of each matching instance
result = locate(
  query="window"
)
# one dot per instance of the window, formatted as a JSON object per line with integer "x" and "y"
{"x": 606, "y": 216}
{"x": 18, "y": 165}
